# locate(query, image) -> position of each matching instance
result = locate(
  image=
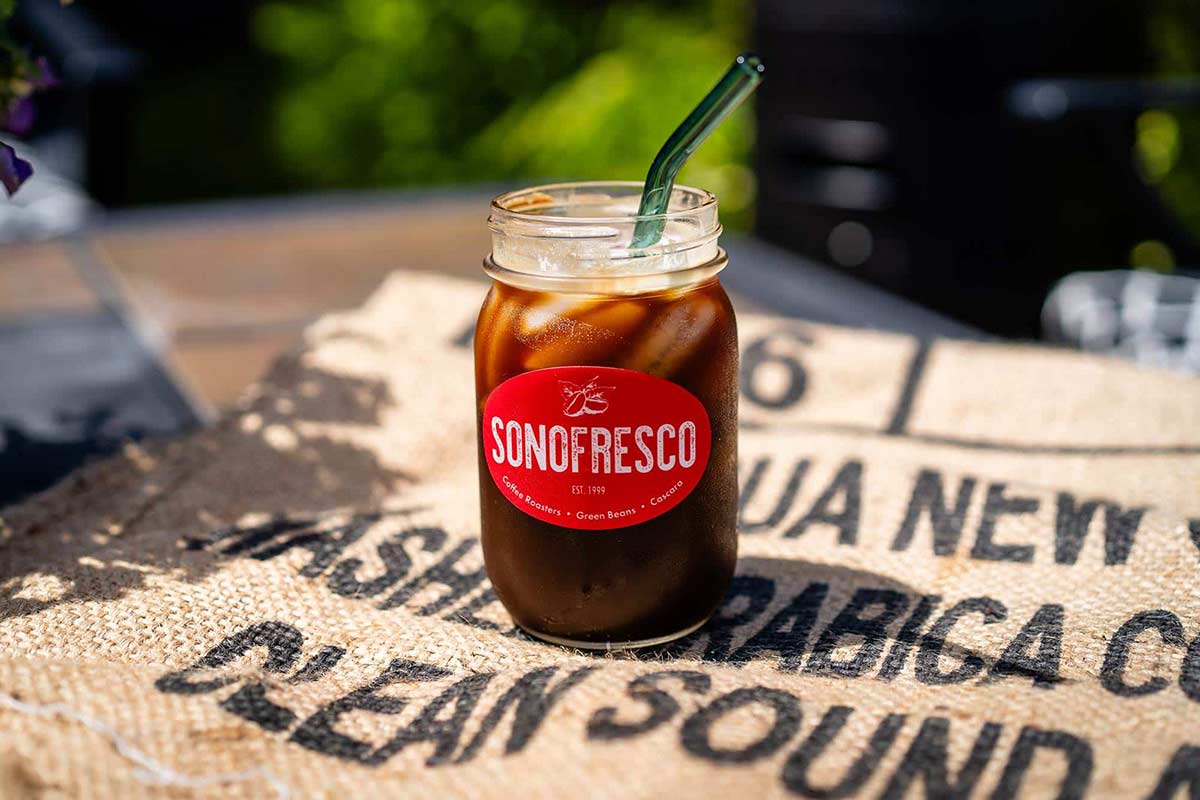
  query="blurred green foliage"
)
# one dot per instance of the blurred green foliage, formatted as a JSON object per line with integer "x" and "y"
{"x": 387, "y": 92}
{"x": 1168, "y": 140}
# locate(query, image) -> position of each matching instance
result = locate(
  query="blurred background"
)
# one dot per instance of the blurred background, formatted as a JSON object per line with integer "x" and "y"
{"x": 965, "y": 157}
{"x": 212, "y": 176}
{"x": 225, "y": 99}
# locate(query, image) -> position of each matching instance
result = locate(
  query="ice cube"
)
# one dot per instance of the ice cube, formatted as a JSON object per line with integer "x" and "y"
{"x": 673, "y": 337}
{"x": 590, "y": 338}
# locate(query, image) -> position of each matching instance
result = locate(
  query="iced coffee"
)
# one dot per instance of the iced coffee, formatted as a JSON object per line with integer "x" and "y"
{"x": 606, "y": 380}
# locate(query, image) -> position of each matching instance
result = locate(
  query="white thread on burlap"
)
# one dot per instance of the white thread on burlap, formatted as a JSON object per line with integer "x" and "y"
{"x": 149, "y": 771}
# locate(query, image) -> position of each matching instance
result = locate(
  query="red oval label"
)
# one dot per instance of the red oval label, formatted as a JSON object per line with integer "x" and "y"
{"x": 594, "y": 448}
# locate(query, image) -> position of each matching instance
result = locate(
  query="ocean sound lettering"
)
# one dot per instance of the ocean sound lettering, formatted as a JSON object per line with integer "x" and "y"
{"x": 601, "y": 451}
{"x": 467, "y": 716}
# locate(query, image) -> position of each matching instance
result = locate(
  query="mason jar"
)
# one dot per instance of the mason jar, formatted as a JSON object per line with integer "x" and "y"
{"x": 606, "y": 381}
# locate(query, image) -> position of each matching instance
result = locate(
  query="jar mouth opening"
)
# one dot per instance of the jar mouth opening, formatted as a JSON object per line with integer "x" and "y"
{"x": 586, "y": 232}
{"x": 532, "y": 203}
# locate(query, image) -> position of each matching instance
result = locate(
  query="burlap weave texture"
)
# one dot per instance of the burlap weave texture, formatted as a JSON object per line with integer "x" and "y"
{"x": 966, "y": 570}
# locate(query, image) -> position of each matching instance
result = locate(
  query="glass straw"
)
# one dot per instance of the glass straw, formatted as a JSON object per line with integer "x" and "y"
{"x": 735, "y": 85}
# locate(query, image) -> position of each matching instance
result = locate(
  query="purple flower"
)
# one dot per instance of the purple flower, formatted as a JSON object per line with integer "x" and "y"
{"x": 13, "y": 170}
{"x": 19, "y": 117}
{"x": 42, "y": 76}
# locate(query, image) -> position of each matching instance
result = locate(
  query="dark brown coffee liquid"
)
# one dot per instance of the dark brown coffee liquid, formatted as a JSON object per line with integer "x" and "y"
{"x": 648, "y": 581}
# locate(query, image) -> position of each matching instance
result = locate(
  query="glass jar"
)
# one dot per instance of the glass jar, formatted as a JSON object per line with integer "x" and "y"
{"x": 606, "y": 381}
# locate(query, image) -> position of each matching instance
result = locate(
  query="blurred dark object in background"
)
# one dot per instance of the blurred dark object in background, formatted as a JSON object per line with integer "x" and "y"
{"x": 82, "y": 126}
{"x": 159, "y": 101}
{"x": 235, "y": 98}
{"x": 1153, "y": 319}
{"x": 965, "y": 155}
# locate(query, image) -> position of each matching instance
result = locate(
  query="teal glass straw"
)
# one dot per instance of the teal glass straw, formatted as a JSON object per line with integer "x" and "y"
{"x": 734, "y": 87}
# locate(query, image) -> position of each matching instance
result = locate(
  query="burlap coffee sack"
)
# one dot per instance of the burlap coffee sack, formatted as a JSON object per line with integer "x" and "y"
{"x": 971, "y": 576}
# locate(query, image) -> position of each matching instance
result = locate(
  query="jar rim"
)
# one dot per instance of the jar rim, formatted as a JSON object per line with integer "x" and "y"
{"x": 534, "y": 235}
{"x": 501, "y": 204}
